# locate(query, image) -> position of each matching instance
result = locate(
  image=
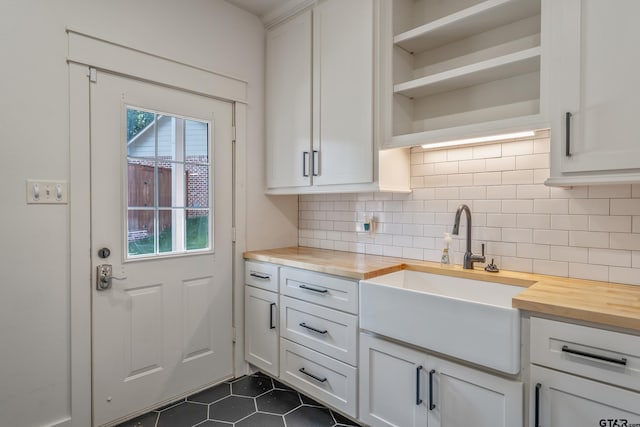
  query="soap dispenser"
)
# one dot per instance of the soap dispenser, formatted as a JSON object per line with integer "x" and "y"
{"x": 445, "y": 260}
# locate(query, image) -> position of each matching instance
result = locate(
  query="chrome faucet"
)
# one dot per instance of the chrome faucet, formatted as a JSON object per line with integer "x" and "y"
{"x": 469, "y": 258}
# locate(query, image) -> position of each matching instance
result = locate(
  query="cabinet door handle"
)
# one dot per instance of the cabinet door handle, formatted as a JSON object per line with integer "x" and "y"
{"x": 536, "y": 414}
{"x": 260, "y": 276}
{"x": 567, "y": 119}
{"x": 621, "y": 361}
{"x": 271, "y": 316}
{"x": 315, "y": 163}
{"x": 305, "y": 162}
{"x": 418, "y": 399}
{"x": 321, "y": 380}
{"x": 432, "y": 405}
{"x": 308, "y": 288}
{"x": 311, "y": 328}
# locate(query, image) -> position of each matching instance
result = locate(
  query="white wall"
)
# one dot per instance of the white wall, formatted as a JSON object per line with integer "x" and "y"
{"x": 34, "y": 248}
{"x": 584, "y": 232}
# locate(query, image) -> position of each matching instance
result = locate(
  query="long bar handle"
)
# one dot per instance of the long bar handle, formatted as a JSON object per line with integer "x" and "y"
{"x": 313, "y": 376}
{"x": 271, "y": 316}
{"x": 432, "y": 405}
{"x": 567, "y": 119}
{"x": 320, "y": 291}
{"x": 536, "y": 415}
{"x": 260, "y": 276}
{"x": 418, "y": 399}
{"x": 305, "y": 163}
{"x": 621, "y": 361}
{"x": 315, "y": 163}
{"x": 311, "y": 328}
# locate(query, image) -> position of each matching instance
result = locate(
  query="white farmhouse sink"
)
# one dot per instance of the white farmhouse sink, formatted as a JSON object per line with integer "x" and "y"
{"x": 468, "y": 319}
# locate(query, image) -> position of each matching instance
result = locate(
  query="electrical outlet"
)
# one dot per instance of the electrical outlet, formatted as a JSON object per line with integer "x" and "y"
{"x": 47, "y": 192}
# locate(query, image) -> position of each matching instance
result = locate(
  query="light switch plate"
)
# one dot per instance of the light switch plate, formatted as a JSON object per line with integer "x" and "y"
{"x": 47, "y": 192}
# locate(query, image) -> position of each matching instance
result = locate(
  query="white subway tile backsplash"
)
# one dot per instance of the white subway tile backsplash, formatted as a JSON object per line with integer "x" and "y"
{"x": 551, "y": 237}
{"x": 569, "y": 254}
{"x": 624, "y": 275}
{"x": 625, "y": 241}
{"x": 589, "y": 271}
{"x": 487, "y": 178}
{"x": 517, "y": 148}
{"x": 625, "y": 207}
{"x": 551, "y": 206}
{"x": 585, "y": 232}
{"x": 610, "y": 257}
{"x": 518, "y": 177}
{"x": 620, "y": 224}
{"x": 553, "y": 268}
{"x": 470, "y": 166}
{"x": 570, "y": 222}
{"x": 487, "y": 151}
{"x": 589, "y": 239}
{"x": 610, "y": 191}
{"x": 589, "y": 206}
{"x": 496, "y": 192}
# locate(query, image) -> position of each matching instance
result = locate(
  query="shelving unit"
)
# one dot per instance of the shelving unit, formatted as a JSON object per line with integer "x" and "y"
{"x": 466, "y": 68}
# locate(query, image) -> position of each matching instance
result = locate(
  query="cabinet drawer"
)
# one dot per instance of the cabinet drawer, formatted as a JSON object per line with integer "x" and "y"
{"x": 606, "y": 356}
{"x": 261, "y": 275}
{"x": 328, "y": 331}
{"x": 318, "y": 288}
{"x": 320, "y": 376}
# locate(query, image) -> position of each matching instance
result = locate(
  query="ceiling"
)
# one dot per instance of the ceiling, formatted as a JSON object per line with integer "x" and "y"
{"x": 258, "y": 7}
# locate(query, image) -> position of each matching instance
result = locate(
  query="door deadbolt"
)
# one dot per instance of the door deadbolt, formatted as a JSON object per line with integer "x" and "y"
{"x": 104, "y": 253}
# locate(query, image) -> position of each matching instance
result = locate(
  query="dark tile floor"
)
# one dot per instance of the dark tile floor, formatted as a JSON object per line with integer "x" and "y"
{"x": 252, "y": 401}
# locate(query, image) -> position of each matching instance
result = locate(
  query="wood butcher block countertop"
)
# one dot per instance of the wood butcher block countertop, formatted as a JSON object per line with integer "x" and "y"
{"x": 610, "y": 304}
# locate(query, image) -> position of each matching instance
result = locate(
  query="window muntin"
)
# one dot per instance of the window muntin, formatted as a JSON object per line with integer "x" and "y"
{"x": 169, "y": 176}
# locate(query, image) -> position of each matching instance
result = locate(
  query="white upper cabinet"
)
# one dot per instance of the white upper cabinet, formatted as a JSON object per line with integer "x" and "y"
{"x": 467, "y": 68}
{"x": 324, "y": 117}
{"x": 288, "y": 103}
{"x": 595, "y": 85}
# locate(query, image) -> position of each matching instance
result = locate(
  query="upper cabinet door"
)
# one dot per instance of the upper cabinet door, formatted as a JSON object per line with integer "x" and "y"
{"x": 288, "y": 103}
{"x": 343, "y": 92}
{"x": 594, "y": 86}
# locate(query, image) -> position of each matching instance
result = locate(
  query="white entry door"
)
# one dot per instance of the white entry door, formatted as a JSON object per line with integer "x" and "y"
{"x": 161, "y": 216}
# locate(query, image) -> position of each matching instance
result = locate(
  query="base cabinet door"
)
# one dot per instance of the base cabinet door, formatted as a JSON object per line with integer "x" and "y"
{"x": 261, "y": 329}
{"x": 559, "y": 399}
{"x": 392, "y": 384}
{"x": 403, "y": 387}
{"x": 463, "y": 396}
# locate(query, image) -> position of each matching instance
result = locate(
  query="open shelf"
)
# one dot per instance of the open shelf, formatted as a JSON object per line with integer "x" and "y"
{"x": 465, "y": 23}
{"x": 499, "y": 68}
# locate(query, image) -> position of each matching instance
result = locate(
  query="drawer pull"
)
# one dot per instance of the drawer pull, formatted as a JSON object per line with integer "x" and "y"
{"x": 311, "y": 328}
{"x": 536, "y": 422}
{"x": 308, "y": 288}
{"x": 321, "y": 380}
{"x": 621, "y": 361}
{"x": 432, "y": 405}
{"x": 418, "y": 399}
{"x": 271, "y": 316}
{"x": 260, "y": 276}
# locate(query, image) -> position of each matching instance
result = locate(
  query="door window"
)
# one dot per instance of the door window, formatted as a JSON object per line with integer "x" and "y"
{"x": 169, "y": 182}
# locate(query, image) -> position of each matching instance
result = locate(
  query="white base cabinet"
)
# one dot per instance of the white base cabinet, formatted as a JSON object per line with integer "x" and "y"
{"x": 403, "y": 387}
{"x": 560, "y": 400}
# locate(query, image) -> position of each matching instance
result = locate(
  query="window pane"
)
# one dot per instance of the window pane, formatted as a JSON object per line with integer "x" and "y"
{"x": 141, "y": 133}
{"x": 140, "y": 232}
{"x": 197, "y": 229}
{"x": 196, "y": 138}
{"x": 166, "y": 236}
{"x": 141, "y": 178}
{"x": 168, "y": 194}
{"x": 197, "y": 177}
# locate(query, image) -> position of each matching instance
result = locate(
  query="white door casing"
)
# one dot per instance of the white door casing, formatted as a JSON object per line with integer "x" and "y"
{"x": 166, "y": 329}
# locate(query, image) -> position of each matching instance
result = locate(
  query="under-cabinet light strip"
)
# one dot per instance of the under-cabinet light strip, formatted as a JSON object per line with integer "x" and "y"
{"x": 480, "y": 140}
